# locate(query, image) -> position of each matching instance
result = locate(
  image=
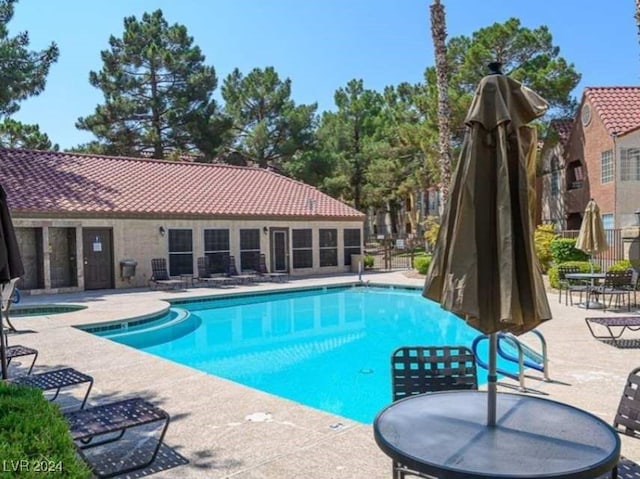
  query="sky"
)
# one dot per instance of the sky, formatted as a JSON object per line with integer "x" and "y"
{"x": 319, "y": 44}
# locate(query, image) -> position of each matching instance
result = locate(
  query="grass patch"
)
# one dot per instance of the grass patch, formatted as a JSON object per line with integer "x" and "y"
{"x": 34, "y": 437}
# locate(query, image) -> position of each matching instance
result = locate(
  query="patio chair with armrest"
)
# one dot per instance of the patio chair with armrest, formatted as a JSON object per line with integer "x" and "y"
{"x": 618, "y": 284}
{"x": 627, "y": 418}
{"x": 160, "y": 275}
{"x": 570, "y": 286}
{"x": 423, "y": 369}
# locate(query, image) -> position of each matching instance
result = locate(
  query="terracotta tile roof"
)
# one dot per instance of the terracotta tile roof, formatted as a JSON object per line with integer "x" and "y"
{"x": 617, "y": 107}
{"x": 563, "y": 127}
{"x": 71, "y": 183}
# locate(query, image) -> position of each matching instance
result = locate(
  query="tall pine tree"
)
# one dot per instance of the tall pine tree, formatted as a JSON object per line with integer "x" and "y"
{"x": 23, "y": 73}
{"x": 157, "y": 93}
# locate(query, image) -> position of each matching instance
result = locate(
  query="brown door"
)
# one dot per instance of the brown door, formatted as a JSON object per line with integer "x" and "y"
{"x": 98, "y": 258}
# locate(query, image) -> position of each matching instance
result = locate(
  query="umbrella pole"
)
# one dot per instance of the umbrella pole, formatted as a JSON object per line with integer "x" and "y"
{"x": 3, "y": 348}
{"x": 492, "y": 380}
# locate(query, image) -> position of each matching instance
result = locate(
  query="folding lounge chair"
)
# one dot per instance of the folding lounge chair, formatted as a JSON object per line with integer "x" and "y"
{"x": 55, "y": 381}
{"x": 160, "y": 275}
{"x": 17, "y": 350}
{"x": 205, "y": 276}
{"x": 424, "y": 369}
{"x": 107, "y": 423}
{"x": 615, "y": 326}
{"x": 232, "y": 272}
{"x": 264, "y": 271}
{"x": 627, "y": 419}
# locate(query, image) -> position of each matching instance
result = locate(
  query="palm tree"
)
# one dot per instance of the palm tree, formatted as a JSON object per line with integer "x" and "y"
{"x": 439, "y": 35}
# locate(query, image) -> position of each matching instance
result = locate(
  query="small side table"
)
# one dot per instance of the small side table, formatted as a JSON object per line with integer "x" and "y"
{"x": 187, "y": 280}
{"x": 56, "y": 380}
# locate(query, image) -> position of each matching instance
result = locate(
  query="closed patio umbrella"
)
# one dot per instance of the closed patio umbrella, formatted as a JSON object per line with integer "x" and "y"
{"x": 11, "y": 269}
{"x": 592, "y": 238}
{"x": 484, "y": 268}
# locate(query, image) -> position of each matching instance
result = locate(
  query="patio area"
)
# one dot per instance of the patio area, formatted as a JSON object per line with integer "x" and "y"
{"x": 221, "y": 429}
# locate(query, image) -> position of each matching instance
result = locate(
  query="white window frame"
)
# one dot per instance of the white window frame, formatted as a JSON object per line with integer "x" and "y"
{"x": 606, "y": 166}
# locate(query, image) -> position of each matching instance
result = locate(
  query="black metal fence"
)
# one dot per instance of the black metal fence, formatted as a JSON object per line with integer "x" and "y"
{"x": 607, "y": 258}
{"x": 391, "y": 254}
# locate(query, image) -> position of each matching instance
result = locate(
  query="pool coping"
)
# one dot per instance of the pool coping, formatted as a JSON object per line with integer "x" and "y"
{"x": 212, "y": 424}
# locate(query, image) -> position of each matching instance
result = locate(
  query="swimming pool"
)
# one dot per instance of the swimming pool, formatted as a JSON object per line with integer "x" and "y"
{"x": 326, "y": 348}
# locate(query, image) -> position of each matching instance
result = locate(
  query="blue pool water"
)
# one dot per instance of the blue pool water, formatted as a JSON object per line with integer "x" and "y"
{"x": 327, "y": 348}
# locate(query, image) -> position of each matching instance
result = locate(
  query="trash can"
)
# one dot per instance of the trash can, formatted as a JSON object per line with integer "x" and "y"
{"x": 128, "y": 268}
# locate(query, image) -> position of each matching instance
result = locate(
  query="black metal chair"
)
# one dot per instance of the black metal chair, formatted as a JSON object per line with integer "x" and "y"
{"x": 627, "y": 419}
{"x": 423, "y": 369}
{"x": 618, "y": 284}
{"x": 570, "y": 286}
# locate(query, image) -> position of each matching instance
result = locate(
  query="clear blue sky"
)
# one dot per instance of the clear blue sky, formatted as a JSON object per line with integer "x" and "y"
{"x": 319, "y": 44}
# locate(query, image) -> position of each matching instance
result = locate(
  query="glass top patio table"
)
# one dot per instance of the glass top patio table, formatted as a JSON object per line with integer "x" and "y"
{"x": 445, "y": 434}
{"x": 593, "y": 277}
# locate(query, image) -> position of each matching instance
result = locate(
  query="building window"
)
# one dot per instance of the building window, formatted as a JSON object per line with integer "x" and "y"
{"x": 302, "y": 248}
{"x": 351, "y": 244}
{"x": 329, "y": 247}
{"x": 607, "y": 221}
{"x": 606, "y": 167}
{"x": 180, "y": 252}
{"x": 216, "y": 248}
{"x": 630, "y": 164}
{"x": 249, "y": 249}
{"x": 575, "y": 175}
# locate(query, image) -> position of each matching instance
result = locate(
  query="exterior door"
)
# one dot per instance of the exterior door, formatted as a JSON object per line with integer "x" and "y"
{"x": 98, "y": 258}
{"x": 279, "y": 263}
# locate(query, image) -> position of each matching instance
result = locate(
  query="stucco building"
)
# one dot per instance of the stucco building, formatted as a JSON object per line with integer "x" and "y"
{"x": 80, "y": 217}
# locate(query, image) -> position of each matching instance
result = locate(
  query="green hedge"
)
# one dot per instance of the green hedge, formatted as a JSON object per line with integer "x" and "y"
{"x": 622, "y": 265}
{"x": 585, "y": 267}
{"x": 564, "y": 249}
{"x": 34, "y": 437}
{"x": 421, "y": 263}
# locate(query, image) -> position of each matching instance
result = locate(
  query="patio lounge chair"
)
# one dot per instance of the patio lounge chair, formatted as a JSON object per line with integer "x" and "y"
{"x": 106, "y": 423}
{"x": 424, "y": 369}
{"x": 205, "y": 276}
{"x": 627, "y": 419}
{"x": 263, "y": 271}
{"x": 57, "y": 380}
{"x": 18, "y": 350}
{"x": 615, "y": 326}
{"x": 232, "y": 272}
{"x": 160, "y": 275}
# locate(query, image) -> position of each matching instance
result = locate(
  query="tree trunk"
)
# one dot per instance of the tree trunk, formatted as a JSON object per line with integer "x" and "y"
{"x": 439, "y": 35}
{"x": 156, "y": 121}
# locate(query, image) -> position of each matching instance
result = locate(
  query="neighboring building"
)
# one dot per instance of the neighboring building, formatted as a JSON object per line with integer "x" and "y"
{"x": 601, "y": 160}
{"x": 79, "y": 216}
{"x": 552, "y": 174}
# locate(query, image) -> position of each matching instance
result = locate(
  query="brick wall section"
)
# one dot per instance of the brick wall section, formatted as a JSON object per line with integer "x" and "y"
{"x": 587, "y": 144}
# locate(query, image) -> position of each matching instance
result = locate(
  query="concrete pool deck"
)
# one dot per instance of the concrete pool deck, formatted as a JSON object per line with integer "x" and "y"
{"x": 219, "y": 426}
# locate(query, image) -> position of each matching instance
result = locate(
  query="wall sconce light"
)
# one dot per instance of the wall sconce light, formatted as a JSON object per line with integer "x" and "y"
{"x": 637, "y": 217}
{"x": 265, "y": 230}
{"x": 162, "y": 231}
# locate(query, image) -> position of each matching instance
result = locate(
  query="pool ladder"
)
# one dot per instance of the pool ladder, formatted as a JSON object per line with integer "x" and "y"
{"x": 534, "y": 360}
